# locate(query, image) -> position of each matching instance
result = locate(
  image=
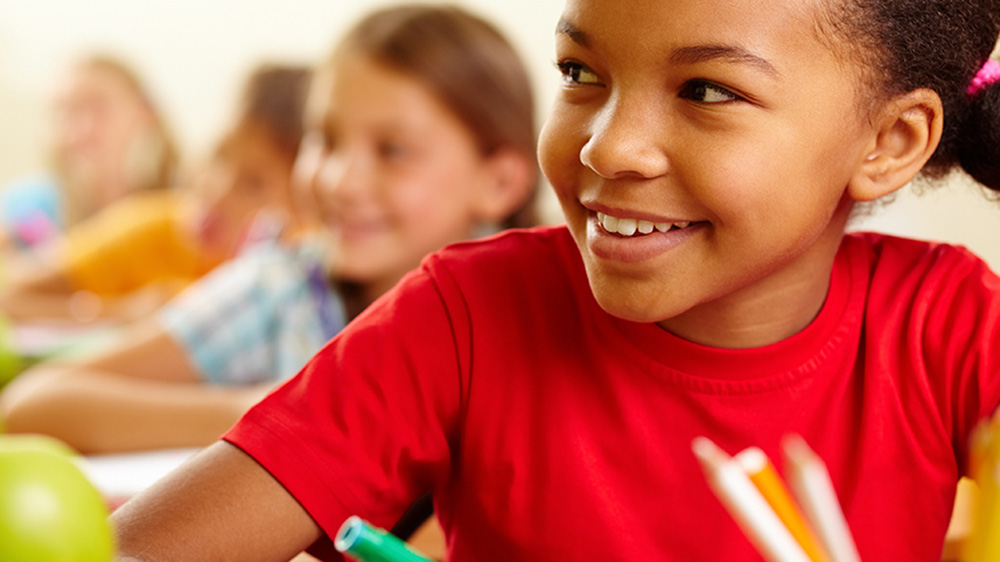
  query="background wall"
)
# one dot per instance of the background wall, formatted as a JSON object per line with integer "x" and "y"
{"x": 194, "y": 53}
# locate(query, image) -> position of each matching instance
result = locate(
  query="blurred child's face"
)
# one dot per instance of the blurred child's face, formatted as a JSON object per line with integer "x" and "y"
{"x": 248, "y": 173}
{"x": 391, "y": 171}
{"x": 731, "y": 126}
{"x": 97, "y": 121}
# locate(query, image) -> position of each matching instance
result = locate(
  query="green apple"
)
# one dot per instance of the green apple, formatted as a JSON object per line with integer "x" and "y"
{"x": 49, "y": 511}
{"x": 10, "y": 359}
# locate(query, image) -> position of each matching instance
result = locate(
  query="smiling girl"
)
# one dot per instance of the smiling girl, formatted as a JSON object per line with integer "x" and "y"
{"x": 546, "y": 385}
{"x": 419, "y": 133}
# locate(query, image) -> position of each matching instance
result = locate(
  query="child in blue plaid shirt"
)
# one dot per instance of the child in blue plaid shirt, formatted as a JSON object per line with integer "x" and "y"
{"x": 419, "y": 133}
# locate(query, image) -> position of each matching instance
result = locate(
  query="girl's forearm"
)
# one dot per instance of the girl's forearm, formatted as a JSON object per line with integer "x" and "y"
{"x": 98, "y": 412}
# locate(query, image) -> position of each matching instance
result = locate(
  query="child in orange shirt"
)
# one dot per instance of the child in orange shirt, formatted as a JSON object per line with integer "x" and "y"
{"x": 109, "y": 140}
{"x": 128, "y": 259}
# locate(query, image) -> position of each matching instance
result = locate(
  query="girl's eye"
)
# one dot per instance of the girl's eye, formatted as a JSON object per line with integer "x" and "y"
{"x": 250, "y": 183}
{"x": 391, "y": 150}
{"x": 707, "y": 92}
{"x": 318, "y": 140}
{"x": 576, "y": 73}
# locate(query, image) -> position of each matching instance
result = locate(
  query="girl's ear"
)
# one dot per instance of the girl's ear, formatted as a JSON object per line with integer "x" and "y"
{"x": 510, "y": 180}
{"x": 908, "y": 132}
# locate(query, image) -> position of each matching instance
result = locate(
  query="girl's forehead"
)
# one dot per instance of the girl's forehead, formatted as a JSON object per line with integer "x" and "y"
{"x": 361, "y": 92}
{"x": 780, "y": 32}
{"x": 355, "y": 79}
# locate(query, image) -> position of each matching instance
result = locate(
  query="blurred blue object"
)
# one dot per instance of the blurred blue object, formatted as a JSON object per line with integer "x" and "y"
{"x": 31, "y": 210}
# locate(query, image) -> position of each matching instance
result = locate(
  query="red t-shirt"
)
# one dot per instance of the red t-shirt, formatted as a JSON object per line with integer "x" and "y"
{"x": 550, "y": 430}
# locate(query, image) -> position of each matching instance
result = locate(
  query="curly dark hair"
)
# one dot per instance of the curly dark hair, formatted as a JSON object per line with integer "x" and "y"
{"x": 939, "y": 45}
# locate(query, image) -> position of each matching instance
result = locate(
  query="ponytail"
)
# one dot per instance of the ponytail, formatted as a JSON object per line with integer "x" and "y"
{"x": 978, "y": 146}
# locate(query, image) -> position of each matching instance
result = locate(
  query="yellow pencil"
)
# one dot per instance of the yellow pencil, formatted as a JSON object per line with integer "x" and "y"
{"x": 810, "y": 482}
{"x": 746, "y": 505}
{"x": 765, "y": 476}
{"x": 984, "y": 541}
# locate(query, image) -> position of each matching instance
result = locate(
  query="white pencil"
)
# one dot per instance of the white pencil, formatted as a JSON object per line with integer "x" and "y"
{"x": 746, "y": 505}
{"x": 810, "y": 482}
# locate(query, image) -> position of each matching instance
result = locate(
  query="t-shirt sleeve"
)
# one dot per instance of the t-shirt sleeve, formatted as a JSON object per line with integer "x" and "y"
{"x": 130, "y": 244}
{"x": 224, "y": 322}
{"x": 961, "y": 340}
{"x": 255, "y": 319}
{"x": 365, "y": 428}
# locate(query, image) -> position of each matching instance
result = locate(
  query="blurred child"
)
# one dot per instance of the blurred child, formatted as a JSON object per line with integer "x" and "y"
{"x": 419, "y": 133}
{"x": 108, "y": 141}
{"x": 128, "y": 259}
{"x": 547, "y": 384}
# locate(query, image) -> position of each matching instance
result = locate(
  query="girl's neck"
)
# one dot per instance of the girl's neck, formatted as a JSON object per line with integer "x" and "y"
{"x": 756, "y": 317}
{"x": 357, "y": 296}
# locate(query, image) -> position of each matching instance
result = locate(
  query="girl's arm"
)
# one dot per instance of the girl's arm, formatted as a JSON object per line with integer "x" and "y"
{"x": 35, "y": 291}
{"x": 40, "y": 292}
{"x": 219, "y": 506}
{"x": 143, "y": 393}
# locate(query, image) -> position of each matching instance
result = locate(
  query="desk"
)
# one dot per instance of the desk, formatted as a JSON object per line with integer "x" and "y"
{"x": 120, "y": 476}
{"x": 34, "y": 341}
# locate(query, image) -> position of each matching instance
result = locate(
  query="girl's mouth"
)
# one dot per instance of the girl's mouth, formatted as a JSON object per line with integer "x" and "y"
{"x": 634, "y": 227}
{"x": 630, "y": 240}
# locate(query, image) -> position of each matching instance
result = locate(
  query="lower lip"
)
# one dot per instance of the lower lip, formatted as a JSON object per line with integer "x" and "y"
{"x": 206, "y": 229}
{"x": 356, "y": 232}
{"x": 638, "y": 248}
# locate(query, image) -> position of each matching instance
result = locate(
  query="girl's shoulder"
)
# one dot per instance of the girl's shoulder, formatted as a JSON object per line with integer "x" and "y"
{"x": 925, "y": 265}
{"x": 515, "y": 244}
{"x": 527, "y": 265}
{"x": 887, "y": 250}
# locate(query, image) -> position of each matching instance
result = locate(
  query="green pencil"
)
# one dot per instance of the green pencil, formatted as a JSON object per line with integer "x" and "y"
{"x": 367, "y": 543}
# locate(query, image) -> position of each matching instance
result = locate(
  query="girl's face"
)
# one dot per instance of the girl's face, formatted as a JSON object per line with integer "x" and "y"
{"x": 97, "y": 121}
{"x": 700, "y": 150}
{"x": 392, "y": 172}
{"x": 248, "y": 173}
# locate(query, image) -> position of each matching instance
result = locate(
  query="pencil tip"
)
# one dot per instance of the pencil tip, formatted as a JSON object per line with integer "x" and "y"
{"x": 794, "y": 446}
{"x": 708, "y": 452}
{"x": 752, "y": 459}
{"x": 796, "y": 452}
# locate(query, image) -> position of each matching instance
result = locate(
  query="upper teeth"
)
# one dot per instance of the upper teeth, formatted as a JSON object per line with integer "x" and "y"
{"x": 628, "y": 227}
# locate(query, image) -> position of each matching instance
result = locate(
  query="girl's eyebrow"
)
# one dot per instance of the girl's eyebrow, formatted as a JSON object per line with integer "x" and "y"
{"x": 571, "y": 31}
{"x": 730, "y": 53}
{"x": 685, "y": 55}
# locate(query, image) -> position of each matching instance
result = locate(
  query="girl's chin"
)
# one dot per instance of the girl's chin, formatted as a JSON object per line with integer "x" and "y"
{"x": 630, "y": 311}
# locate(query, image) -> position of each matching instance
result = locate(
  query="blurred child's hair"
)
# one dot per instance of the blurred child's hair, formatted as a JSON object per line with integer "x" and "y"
{"x": 935, "y": 44}
{"x": 467, "y": 63}
{"x": 274, "y": 97}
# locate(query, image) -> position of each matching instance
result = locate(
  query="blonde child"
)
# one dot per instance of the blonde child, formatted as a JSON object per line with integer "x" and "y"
{"x": 419, "y": 133}
{"x": 546, "y": 385}
{"x": 127, "y": 259}
{"x": 108, "y": 140}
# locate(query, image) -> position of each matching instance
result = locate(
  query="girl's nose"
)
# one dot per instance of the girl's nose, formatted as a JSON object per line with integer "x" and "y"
{"x": 626, "y": 139}
{"x": 214, "y": 184}
{"x": 342, "y": 175}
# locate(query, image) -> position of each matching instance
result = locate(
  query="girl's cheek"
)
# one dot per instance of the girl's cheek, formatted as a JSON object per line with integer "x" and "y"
{"x": 561, "y": 139}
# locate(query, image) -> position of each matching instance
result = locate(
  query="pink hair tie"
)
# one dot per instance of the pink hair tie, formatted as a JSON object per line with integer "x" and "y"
{"x": 988, "y": 74}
